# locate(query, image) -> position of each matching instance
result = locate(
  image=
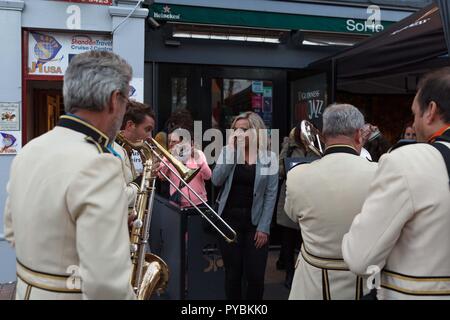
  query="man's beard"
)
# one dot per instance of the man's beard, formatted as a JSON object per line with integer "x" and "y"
{"x": 115, "y": 128}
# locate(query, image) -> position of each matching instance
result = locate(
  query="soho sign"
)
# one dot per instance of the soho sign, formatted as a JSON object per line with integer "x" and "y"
{"x": 372, "y": 24}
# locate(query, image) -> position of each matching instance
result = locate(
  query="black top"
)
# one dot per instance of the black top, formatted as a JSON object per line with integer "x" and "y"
{"x": 241, "y": 192}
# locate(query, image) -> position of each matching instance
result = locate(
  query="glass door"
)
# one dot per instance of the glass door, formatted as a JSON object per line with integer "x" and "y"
{"x": 230, "y": 97}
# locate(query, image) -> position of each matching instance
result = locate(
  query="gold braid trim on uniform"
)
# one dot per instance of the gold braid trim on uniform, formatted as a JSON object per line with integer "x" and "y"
{"x": 59, "y": 289}
{"x": 359, "y": 288}
{"x": 27, "y": 292}
{"x": 95, "y": 143}
{"x": 321, "y": 263}
{"x": 415, "y": 292}
{"x": 340, "y": 145}
{"x": 48, "y": 288}
{"x": 84, "y": 123}
{"x": 325, "y": 285}
{"x": 415, "y": 279}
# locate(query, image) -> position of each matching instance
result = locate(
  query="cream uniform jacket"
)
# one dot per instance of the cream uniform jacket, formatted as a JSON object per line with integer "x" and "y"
{"x": 404, "y": 226}
{"x": 65, "y": 214}
{"x": 324, "y": 197}
{"x": 129, "y": 175}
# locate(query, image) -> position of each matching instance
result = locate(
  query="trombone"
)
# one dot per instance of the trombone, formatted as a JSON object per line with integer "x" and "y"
{"x": 186, "y": 175}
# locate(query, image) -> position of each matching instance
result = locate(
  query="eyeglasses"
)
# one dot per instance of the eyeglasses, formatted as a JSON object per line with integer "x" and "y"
{"x": 127, "y": 99}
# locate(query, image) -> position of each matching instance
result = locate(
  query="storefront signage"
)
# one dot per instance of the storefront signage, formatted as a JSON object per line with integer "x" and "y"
{"x": 309, "y": 99}
{"x": 50, "y": 53}
{"x": 258, "y": 19}
{"x": 10, "y": 134}
{"x": 261, "y": 100}
{"x": 137, "y": 89}
{"x": 9, "y": 116}
{"x": 166, "y": 14}
{"x": 10, "y": 142}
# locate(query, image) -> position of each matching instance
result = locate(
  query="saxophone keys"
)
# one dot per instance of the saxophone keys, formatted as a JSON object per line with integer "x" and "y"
{"x": 138, "y": 223}
{"x": 133, "y": 248}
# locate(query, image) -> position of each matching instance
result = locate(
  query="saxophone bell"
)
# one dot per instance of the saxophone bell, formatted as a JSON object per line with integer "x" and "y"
{"x": 150, "y": 274}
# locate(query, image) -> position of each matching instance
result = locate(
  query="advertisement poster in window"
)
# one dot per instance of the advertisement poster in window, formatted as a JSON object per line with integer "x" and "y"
{"x": 49, "y": 53}
{"x": 9, "y": 116}
{"x": 10, "y": 142}
{"x": 310, "y": 98}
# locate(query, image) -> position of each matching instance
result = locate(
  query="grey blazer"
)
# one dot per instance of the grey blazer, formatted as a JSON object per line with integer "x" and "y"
{"x": 265, "y": 187}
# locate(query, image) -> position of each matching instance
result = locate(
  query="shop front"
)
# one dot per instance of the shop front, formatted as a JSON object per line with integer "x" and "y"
{"x": 39, "y": 40}
{"x": 217, "y": 61}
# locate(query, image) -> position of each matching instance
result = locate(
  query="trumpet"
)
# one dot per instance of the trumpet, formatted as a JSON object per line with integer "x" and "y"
{"x": 312, "y": 138}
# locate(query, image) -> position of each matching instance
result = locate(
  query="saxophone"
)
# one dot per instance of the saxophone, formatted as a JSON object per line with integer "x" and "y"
{"x": 150, "y": 273}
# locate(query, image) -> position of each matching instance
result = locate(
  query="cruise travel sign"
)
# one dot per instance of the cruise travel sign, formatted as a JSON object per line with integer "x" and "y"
{"x": 50, "y": 53}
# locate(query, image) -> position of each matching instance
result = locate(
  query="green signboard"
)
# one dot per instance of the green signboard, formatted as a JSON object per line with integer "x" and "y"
{"x": 258, "y": 19}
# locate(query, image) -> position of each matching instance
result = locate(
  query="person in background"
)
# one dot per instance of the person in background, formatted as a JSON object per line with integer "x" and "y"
{"x": 374, "y": 143}
{"x": 323, "y": 197}
{"x": 137, "y": 126}
{"x": 368, "y": 131}
{"x": 248, "y": 176}
{"x": 181, "y": 145}
{"x": 408, "y": 132}
{"x": 377, "y": 146}
{"x": 290, "y": 232}
{"x": 401, "y": 234}
{"x": 180, "y": 118}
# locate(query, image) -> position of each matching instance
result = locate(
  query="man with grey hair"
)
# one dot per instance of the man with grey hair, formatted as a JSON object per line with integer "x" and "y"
{"x": 323, "y": 197}
{"x": 66, "y": 208}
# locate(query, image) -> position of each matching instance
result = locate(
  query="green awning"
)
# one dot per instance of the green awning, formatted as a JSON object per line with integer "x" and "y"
{"x": 259, "y": 19}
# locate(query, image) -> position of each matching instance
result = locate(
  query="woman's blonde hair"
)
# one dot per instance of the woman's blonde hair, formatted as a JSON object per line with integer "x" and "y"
{"x": 254, "y": 121}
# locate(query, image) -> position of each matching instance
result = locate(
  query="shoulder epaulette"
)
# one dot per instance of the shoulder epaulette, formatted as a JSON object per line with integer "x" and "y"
{"x": 100, "y": 148}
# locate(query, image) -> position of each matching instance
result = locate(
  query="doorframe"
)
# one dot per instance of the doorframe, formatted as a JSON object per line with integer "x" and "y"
{"x": 200, "y": 95}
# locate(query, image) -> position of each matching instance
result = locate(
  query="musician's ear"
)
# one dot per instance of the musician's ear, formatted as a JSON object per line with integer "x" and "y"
{"x": 129, "y": 124}
{"x": 359, "y": 137}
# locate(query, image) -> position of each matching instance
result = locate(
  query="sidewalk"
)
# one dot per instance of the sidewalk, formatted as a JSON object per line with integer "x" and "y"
{"x": 274, "y": 282}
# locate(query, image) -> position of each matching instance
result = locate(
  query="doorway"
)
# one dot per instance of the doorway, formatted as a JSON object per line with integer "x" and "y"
{"x": 215, "y": 94}
{"x": 45, "y": 104}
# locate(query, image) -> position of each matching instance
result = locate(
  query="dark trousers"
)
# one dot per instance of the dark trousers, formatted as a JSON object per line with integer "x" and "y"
{"x": 245, "y": 265}
{"x": 290, "y": 240}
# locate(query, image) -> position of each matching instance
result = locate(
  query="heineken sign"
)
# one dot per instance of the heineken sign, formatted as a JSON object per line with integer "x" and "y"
{"x": 166, "y": 14}
{"x": 258, "y": 19}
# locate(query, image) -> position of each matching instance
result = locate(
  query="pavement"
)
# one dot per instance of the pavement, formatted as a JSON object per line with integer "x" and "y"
{"x": 274, "y": 288}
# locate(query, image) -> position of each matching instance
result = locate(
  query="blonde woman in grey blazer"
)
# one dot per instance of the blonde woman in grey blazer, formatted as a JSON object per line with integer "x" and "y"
{"x": 249, "y": 180}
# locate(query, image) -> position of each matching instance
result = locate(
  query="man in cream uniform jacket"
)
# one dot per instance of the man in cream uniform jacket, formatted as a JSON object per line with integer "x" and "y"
{"x": 324, "y": 197}
{"x": 65, "y": 211}
{"x": 404, "y": 225}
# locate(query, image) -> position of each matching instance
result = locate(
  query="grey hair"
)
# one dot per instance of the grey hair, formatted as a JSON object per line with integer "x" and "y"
{"x": 341, "y": 119}
{"x": 91, "y": 78}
